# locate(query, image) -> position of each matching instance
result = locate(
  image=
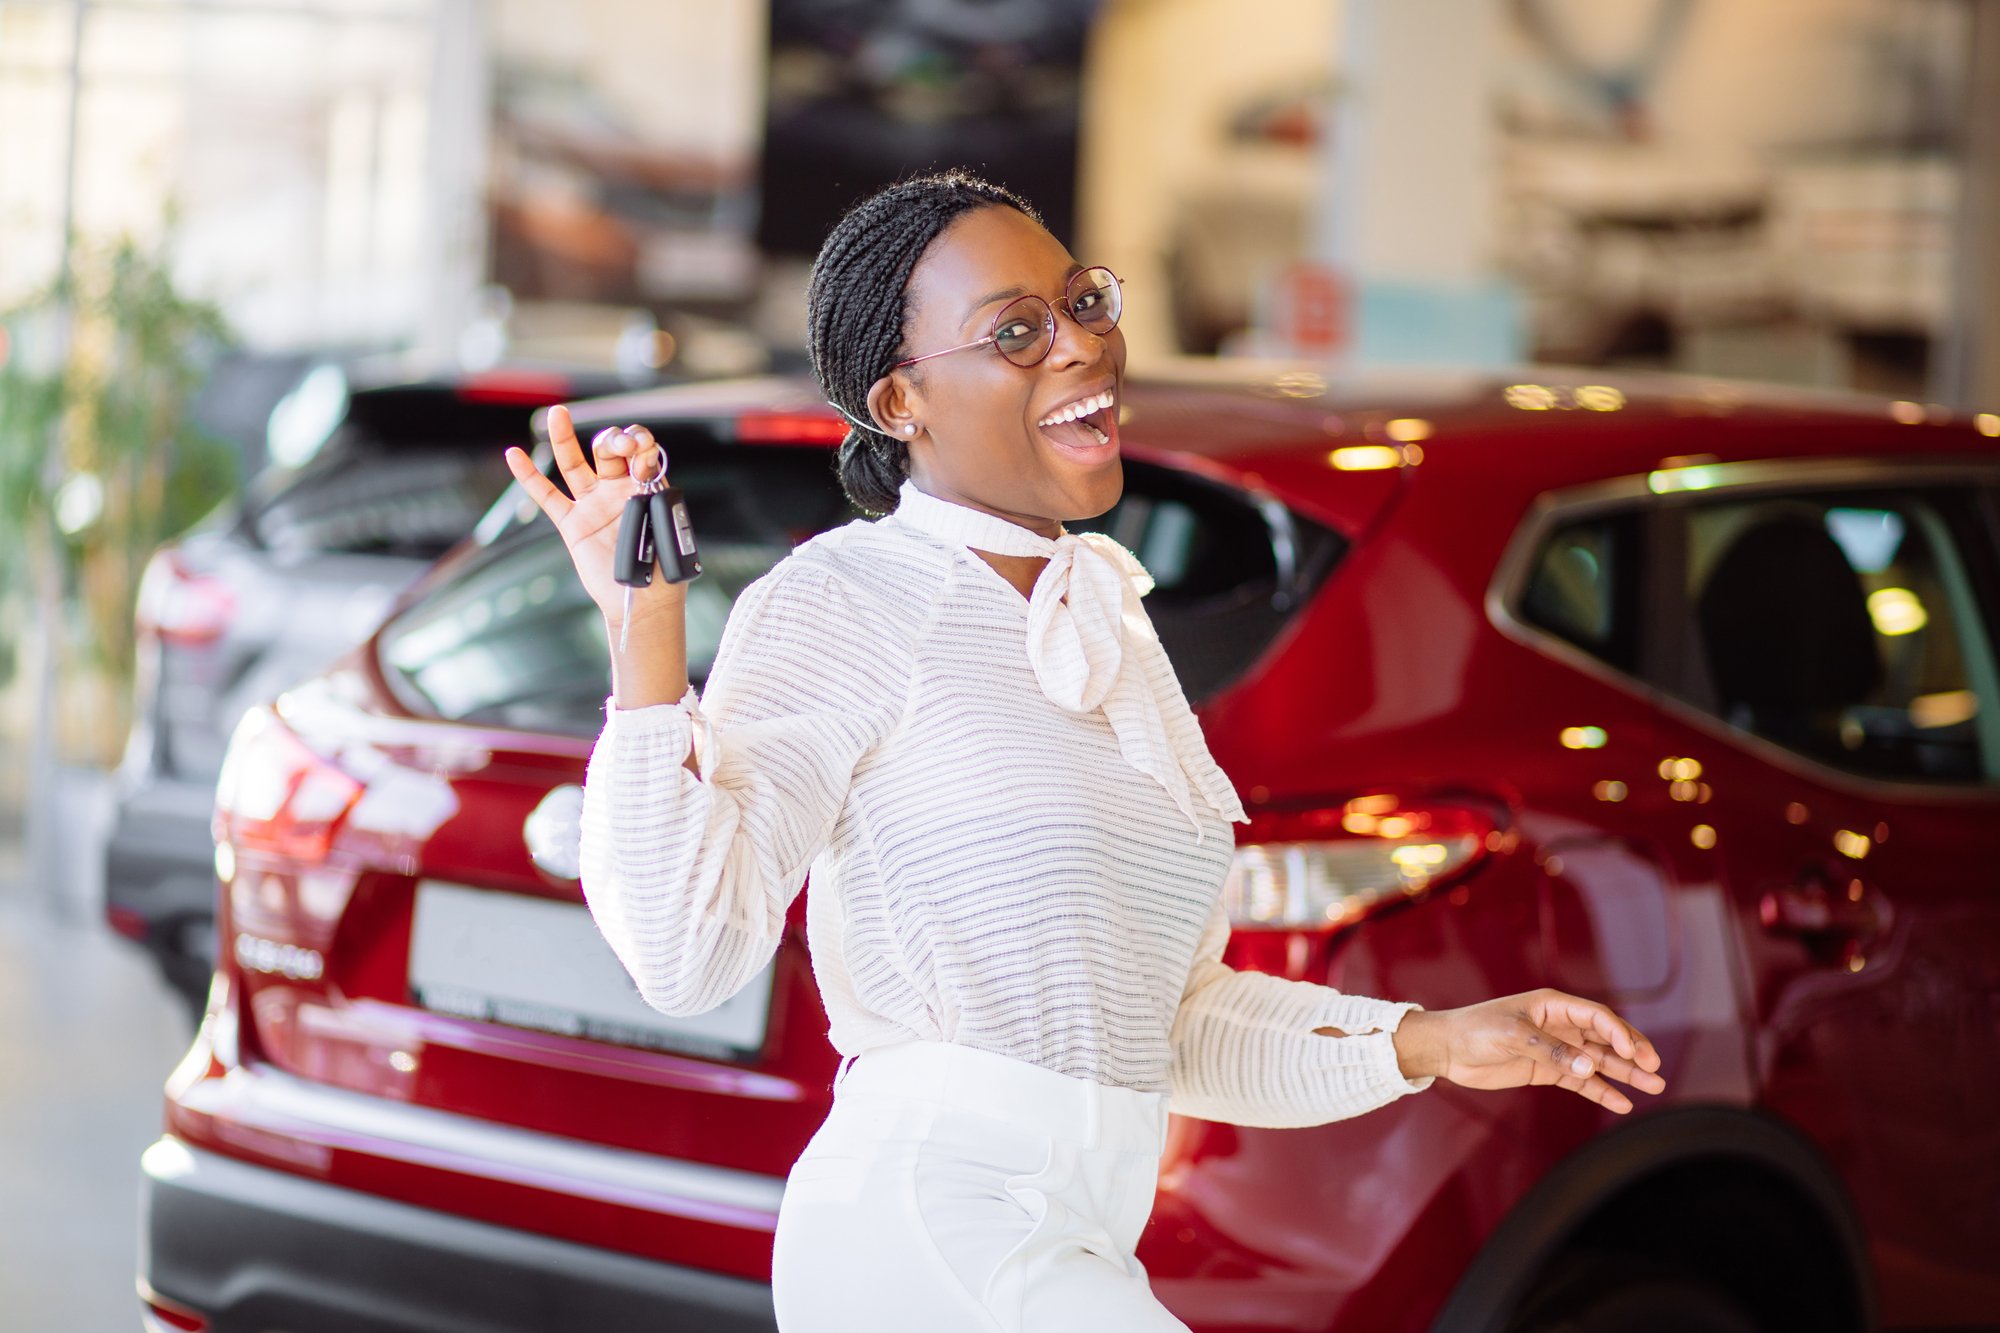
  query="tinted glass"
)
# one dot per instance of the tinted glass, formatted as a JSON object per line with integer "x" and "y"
{"x": 1846, "y": 627}
{"x": 408, "y": 473}
{"x": 1228, "y": 572}
{"x": 515, "y": 641}
{"x": 512, "y": 640}
{"x": 1585, "y": 587}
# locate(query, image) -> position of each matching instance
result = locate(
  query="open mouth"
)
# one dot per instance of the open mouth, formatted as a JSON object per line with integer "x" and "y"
{"x": 1088, "y": 423}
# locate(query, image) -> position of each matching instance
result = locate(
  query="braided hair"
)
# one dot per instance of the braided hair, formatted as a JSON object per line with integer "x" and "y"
{"x": 858, "y": 300}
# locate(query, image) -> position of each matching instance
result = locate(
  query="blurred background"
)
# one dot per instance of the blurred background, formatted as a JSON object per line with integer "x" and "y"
{"x": 248, "y": 251}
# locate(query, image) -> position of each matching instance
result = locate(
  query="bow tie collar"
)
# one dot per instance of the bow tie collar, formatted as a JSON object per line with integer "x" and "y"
{"x": 1087, "y": 640}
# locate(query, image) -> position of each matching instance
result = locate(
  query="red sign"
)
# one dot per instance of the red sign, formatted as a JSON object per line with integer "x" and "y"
{"x": 1311, "y": 310}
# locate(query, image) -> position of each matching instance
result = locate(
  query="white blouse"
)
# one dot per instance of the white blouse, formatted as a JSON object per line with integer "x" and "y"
{"x": 1016, "y": 835}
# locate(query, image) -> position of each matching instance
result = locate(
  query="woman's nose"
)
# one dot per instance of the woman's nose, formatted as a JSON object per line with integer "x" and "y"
{"x": 1074, "y": 344}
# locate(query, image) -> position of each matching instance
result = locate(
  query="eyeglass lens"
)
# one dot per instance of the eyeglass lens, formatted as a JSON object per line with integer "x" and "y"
{"x": 1026, "y": 329}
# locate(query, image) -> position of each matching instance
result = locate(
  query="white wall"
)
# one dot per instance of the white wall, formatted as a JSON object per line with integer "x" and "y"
{"x": 1160, "y": 79}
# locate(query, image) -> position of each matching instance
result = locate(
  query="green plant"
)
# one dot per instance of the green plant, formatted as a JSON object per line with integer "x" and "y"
{"x": 100, "y": 458}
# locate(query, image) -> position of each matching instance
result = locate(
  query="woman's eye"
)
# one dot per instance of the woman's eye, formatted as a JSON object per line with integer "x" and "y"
{"x": 1016, "y": 331}
{"x": 1088, "y": 300}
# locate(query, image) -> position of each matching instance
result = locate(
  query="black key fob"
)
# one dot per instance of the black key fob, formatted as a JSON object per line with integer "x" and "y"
{"x": 673, "y": 535}
{"x": 632, "y": 565}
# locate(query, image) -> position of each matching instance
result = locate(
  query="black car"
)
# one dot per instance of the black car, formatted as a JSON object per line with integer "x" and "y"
{"x": 371, "y": 476}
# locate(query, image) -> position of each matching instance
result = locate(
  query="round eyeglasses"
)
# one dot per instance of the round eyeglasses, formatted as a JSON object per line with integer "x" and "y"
{"x": 1025, "y": 328}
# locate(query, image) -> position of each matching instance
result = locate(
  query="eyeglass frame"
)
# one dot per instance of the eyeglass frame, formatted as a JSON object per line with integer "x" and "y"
{"x": 993, "y": 334}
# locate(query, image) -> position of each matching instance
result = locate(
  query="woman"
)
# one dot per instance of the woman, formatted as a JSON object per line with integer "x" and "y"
{"x": 958, "y": 717}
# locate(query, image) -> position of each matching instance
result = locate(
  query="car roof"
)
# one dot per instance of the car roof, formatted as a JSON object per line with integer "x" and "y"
{"x": 1277, "y": 425}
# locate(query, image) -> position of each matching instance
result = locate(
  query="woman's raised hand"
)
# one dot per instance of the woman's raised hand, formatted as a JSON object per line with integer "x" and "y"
{"x": 589, "y": 521}
{"x": 1536, "y": 1037}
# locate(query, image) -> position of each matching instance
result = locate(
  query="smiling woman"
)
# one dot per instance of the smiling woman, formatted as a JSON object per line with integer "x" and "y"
{"x": 959, "y": 718}
{"x": 952, "y": 264}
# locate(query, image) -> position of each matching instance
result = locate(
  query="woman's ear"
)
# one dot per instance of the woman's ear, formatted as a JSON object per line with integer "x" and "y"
{"x": 896, "y": 407}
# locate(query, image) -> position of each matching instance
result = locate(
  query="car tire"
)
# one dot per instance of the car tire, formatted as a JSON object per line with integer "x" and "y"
{"x": 1594, "y": 1291}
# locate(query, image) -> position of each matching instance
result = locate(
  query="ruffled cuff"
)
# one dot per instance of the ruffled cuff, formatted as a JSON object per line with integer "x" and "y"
{"x": 671, "y": 728}
{"x": 1356, "y": 1015}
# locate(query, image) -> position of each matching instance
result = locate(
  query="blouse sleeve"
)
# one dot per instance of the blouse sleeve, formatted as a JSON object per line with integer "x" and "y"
{"x": 689, "y": 876}
{"x": 1245, "y": 1053}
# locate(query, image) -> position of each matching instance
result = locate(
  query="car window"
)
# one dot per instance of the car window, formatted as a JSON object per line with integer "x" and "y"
{"x": 1846, "y": 627}
{"x": 512, "y": 639}
{"x": 416, "y": 506}
{"x": 1228, "y": 572}
{"x": 1585, "y": 587}
{"x": 515, "y": 641}
{"x": 407, "y": 473}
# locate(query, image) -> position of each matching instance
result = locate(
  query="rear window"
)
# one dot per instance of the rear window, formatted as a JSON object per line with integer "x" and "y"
{"x": 512, "y": 640}
{"x": 407, "y": 473}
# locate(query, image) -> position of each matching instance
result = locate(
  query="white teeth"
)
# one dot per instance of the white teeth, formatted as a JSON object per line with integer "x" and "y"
{"x": 1081, "y": 408}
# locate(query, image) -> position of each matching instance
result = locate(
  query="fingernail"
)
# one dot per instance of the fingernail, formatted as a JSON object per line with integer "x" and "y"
{"x": 1580, "y": 1065}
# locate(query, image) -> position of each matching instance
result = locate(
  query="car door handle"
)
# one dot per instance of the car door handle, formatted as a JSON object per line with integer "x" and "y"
{"x": 1817, "y": 907}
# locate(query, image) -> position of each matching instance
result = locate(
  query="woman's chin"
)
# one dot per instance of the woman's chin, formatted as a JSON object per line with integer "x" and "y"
{"x": 1090, "y": 479}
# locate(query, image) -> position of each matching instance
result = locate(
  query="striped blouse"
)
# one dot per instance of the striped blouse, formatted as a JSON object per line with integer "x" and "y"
{"x": 1015, "y": 833}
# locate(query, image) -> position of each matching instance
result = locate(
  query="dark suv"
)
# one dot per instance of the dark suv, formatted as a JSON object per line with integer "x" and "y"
{"x": 372, "y": 475}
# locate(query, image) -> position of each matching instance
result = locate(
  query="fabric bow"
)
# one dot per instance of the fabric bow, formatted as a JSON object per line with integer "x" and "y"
{"x": 1086, "y": 642}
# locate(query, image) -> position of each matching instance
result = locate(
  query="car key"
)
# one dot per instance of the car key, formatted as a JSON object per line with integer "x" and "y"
{"x": 633, "y": 563}
{"x": 656, "y": 509}
{"x": 672, "y": 535}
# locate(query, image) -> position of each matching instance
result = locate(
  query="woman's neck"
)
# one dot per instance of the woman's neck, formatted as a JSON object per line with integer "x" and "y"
{"x": 1019, "y": 570}
{"x": 1041, "y": 527}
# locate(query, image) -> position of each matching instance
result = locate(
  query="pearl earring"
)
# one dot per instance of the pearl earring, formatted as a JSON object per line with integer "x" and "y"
{"x": 909, "y": 429}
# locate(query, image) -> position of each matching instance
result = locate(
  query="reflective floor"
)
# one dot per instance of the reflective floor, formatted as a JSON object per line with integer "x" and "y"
{"x": 88, "y": 1036}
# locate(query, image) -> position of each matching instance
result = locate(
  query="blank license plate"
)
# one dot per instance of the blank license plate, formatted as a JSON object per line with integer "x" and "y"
{"x": 532, "y": 963}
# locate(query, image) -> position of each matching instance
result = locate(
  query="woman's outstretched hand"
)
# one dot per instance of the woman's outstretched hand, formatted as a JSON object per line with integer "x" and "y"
{"x": 1536, "y": 1037}
{"x": 648, "y": 666}
{"x": 589, "y": 521}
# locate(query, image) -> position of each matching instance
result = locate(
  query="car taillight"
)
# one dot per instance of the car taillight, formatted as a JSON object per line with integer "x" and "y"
{"x": 133, "y": 925}
{"x": 527, "y": 387}
{"x": 1329, "y": 867}
{"x": 789, "y": 428}
{"x": 164, "y": 1313}
{"x": 275, "y": 795}
{"x": 180, "y": 605}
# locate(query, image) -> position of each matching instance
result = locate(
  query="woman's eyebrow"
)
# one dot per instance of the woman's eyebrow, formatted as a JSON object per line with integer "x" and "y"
{"x": 1009, "y": 293}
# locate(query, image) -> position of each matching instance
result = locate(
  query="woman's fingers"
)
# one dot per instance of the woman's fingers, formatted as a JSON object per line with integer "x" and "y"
{"x": 1613, "y": 1065}
{"x": 1602, "y": 1093}
{"x": 1567, "y": 1059}
{"x": 1593, "y": 1019}
{"x": 641, "y": 456}
{"x": 539, "y": 488}
{"x": 570, "y": 459}
{"x": 1575, "y": 1065}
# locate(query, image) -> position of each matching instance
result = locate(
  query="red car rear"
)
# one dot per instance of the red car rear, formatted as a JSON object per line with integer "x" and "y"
{"x": 1664, "y": 693}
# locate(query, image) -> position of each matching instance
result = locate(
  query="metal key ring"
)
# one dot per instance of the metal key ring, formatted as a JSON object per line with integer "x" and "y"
{"x": 659, "y": 475}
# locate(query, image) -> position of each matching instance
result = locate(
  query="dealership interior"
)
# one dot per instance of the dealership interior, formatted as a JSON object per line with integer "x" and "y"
{"x": 374, "y": 216}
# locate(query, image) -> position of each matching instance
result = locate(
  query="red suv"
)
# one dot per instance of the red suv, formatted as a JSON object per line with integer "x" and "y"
{"x": 1676, "y": 694}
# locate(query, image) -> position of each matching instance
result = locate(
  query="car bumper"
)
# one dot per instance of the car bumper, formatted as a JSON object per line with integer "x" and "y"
{"x": 254, "y": 1249}
{"x": 159, "y": 877}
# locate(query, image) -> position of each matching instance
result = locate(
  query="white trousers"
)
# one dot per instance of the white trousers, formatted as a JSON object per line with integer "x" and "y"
{"x": 957, "y": 1189}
